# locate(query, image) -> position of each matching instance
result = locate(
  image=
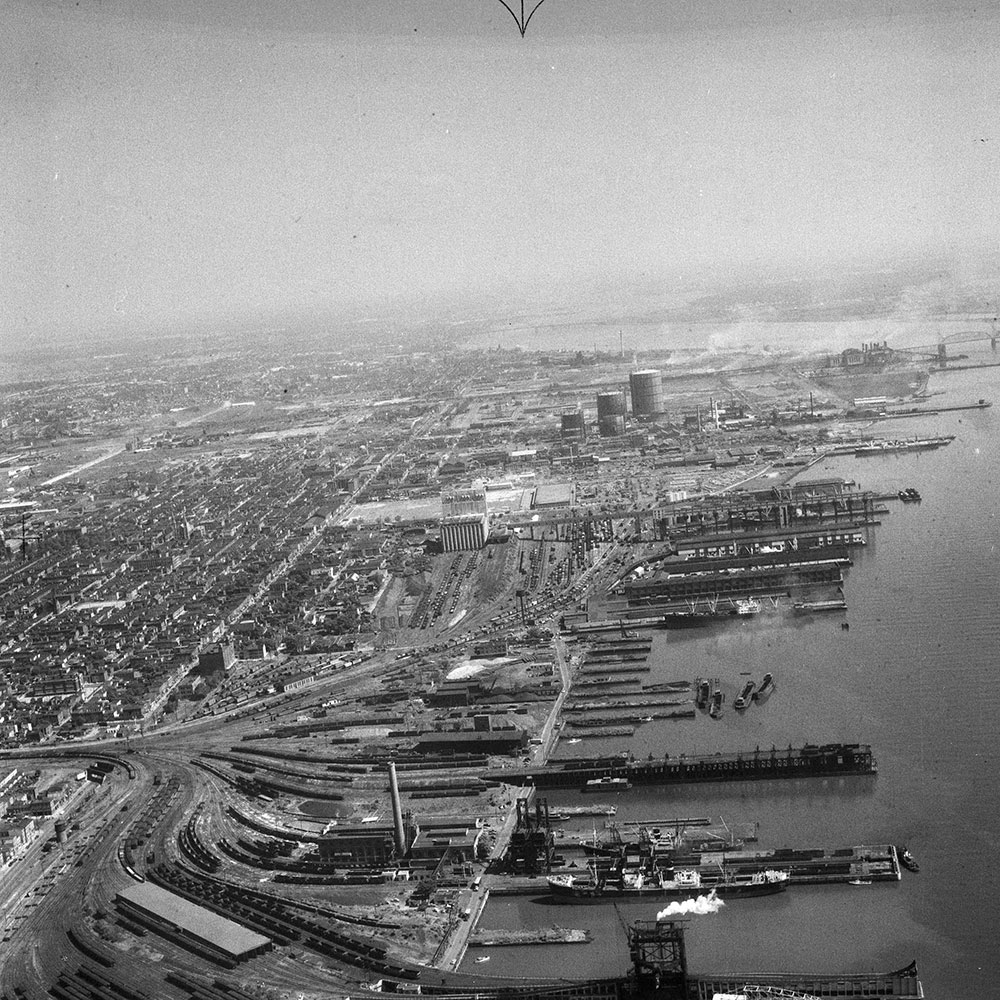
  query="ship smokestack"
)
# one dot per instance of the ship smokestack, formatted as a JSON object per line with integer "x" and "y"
{"x": 398, "y": 831}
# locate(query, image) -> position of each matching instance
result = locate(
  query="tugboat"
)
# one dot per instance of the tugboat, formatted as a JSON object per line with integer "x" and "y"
{"x": 909, "y": 495}
{"x": 907, "y": 860}
{"x": 744, "y": 698}
{"x": 716, "y": 710}
{"x": 704, "y": 694}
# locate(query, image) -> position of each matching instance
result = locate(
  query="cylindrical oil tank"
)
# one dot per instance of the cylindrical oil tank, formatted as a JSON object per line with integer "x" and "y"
{"x": 611, "y": 413}
{"x": 573, "y": 425}
{"x": 610, "y": 404}
{"x": 60, "y": 831}
{"x": 647, "y": 392}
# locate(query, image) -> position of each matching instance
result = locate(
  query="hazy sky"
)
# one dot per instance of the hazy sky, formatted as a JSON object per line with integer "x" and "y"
{"x": 172, "y": 161}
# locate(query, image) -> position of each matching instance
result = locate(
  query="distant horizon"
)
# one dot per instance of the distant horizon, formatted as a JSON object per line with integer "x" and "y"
{"x": 932, "y": 295}
{"x": 182, "y": 167}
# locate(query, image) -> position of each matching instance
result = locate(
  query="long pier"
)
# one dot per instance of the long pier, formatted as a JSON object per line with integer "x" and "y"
{"x": 801, "y": 762}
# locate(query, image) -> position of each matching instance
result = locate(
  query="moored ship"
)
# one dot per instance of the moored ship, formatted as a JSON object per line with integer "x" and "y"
{"x": 704, "y": 694}
{"x": 607, "y": 783}
{"x": 663, "y": 883}
{"x": 745, "y": 696}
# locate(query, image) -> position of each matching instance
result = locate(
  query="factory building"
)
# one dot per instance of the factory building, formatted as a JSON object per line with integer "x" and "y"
{"x": 611, "y": 413}
{"x": 464, "y": 532}
{"x": 646, "y": 388}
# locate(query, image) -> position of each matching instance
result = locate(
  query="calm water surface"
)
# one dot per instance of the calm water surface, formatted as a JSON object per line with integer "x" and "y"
{"x": 915, "y": 676}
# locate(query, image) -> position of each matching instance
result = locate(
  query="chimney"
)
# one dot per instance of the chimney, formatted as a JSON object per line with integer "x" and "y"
{"x": 399, "y": 832}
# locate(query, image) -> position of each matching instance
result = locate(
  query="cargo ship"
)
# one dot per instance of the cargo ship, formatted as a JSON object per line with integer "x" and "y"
{"x": 691, "y": 619}
{"x": 663, "y": 883}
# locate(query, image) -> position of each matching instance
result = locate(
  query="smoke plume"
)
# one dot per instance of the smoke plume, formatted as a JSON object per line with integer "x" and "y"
{"x": 703, "y": 904}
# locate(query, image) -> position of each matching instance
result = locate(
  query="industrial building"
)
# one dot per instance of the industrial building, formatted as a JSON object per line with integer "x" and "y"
{"x": 216, "y": 659}
{"x": 464, "y": 532}
{"x": 646, "y": 388}
{"x": 185, "y": 922}
{"x": 611, "y": 411}
{"x": 553, "y": 495}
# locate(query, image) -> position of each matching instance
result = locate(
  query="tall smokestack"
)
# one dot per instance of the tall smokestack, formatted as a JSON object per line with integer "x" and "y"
{"x": 398, "y": 832}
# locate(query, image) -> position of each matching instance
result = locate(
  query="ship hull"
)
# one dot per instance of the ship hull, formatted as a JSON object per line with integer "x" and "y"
{"x": 590, "y": 893}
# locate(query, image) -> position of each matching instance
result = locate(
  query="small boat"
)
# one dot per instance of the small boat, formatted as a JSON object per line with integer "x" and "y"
{"x": 907, "y": 860}
{"x": 646, "y": 718}
{"x": 909, "y": 495}
{"x": 716, "y": 710}
{"x": 745, "y": 696}
{"x": 860, "y": 881}
{"x": 574, "y": 740}
{"x": 483, "y": 958}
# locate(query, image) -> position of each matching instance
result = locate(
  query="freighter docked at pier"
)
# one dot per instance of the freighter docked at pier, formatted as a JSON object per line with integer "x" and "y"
{"x": 663, "y": 883}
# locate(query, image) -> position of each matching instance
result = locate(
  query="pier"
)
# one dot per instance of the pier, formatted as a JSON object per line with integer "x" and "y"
{"x": 802, "y": 762}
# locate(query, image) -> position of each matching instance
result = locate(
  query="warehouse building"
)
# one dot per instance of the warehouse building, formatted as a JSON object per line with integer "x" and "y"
{"x": 180, "y": 920}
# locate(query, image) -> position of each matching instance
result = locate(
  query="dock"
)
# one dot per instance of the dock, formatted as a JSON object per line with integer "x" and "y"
{"x": 809, "y": 761}
{"x": 529, "y": 935}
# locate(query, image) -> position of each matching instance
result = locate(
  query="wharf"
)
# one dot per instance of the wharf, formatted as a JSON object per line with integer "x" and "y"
{"x": 593, "y": 732}
{"x": 603, "y": 669}
{"x": 625, "y": 703}
{"x": 599, "y": 682}
{"x": 530, "y": 935}
{"x": 598, "y": 809}
{"x": 636, "y": 646}
{"x": 676, "y": 822}
{"x": 813, "y": 866}
{"x": 647, "y": 716}
{"x": 983, "y": 404}
{"x": 801, "y": 762}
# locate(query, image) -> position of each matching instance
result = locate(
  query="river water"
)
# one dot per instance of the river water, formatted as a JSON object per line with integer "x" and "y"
{"x": 915, "y": 676}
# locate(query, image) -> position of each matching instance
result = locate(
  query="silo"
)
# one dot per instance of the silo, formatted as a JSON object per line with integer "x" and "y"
{"x": 573, "y": 426}
{"x": 611, "y": 413}
{"x": 647, "y": 392}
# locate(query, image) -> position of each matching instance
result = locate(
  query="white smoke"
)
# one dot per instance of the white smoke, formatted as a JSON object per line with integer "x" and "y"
{"x": 703, "y": 904}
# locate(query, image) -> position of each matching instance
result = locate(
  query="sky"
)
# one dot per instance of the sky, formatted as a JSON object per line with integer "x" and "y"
{"x": 172, "y": 163}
